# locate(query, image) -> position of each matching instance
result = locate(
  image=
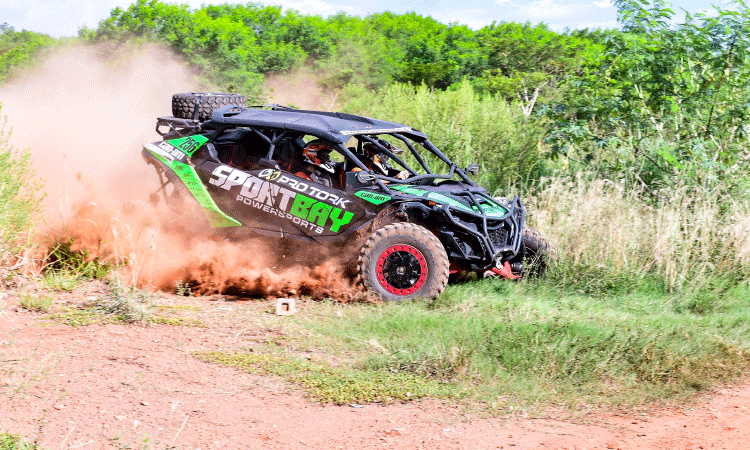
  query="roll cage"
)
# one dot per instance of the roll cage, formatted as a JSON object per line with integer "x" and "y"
{"x": 227, "y": 117}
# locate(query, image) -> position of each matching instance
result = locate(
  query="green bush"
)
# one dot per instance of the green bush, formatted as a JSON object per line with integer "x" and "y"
{"x": 665, "y": 104}
{"x": 18, "y": 193}
{"x": 19, "y": 49}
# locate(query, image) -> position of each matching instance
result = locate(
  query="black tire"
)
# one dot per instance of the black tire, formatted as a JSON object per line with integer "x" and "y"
{"x": 538, "y": 252}
{"x": 402, "y": 261}
{"x": 183, "y": 105}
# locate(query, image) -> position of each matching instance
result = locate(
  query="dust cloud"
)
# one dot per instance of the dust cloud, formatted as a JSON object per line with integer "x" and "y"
{"x": 299, "y": 89}
{"x": 84, "y": 114}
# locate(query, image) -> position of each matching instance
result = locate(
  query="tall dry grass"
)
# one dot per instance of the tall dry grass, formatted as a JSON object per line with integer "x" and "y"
{"x": 609, "y": 234}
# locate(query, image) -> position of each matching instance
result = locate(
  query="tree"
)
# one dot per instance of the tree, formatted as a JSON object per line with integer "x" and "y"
{"x": 524, "y": 60}
{"x": 20, "y": 48}
{"x": 668, "y": 101}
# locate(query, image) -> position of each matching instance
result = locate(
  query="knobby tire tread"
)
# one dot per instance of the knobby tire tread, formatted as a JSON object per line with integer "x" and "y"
{"x": 539, "y": 251}
{"x": 437, "y": 259}
{"x": 183, "y": 105}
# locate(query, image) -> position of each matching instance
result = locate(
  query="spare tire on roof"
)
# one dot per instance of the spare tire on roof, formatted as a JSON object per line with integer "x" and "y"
{"x": 183, "y": 105}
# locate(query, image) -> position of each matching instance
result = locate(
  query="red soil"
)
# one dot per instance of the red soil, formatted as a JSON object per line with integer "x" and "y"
{"x": 131, "y": 386}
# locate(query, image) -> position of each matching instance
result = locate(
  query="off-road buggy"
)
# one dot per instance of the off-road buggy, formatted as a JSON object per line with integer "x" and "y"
{"x": 412, "y": 219}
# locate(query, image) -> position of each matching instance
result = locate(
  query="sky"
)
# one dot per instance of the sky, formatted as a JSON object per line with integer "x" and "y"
{"x": 65, "y": 17}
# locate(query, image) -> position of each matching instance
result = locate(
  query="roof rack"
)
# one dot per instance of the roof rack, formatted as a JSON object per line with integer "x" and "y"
{"x": 177, "y": 126}
{"x": 274, "y": 106}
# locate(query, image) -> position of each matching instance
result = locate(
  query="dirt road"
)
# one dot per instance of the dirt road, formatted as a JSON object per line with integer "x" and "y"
{"x": 130, "y": 386}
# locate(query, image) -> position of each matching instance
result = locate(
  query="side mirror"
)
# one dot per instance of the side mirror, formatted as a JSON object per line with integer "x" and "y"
{"x": 473, "y": 169}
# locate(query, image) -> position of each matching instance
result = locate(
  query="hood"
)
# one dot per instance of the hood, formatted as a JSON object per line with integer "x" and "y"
{"x": 456, "y": 196}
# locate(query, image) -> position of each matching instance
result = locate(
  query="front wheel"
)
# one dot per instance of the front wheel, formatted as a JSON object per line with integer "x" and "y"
{"x": 538, "y": 252}
{"x": 403, "y": 261}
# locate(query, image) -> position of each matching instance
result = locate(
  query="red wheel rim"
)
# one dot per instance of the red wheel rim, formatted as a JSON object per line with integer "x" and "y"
{"x": 401, "y": 269}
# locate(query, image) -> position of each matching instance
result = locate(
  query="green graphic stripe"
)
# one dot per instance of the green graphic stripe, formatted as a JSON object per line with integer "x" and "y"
{"x": 492, "y": 210}
{"x": 189, "y": 177}
{"x": 410, "y": 190}
{"x": 440, "y": 198}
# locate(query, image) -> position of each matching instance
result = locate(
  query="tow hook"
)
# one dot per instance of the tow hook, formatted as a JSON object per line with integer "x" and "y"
{"x": 505, "y": 271}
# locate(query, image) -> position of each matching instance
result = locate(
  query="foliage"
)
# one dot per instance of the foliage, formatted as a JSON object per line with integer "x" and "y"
{"x": 18, "y": 193}
{"x": 67, "y": 266}
{"x": 38, "y": 304}
{"x": 425, "y": 50}
{"x": 19, "y": 48}
{"x": 666, "y": 102}
{"x": 359, "y": 57}
{"x": 466, "y": 126}
{"x": 524, "y": 58}
{"x": 536, "y": 343}
{"x": 14, "y": 442}
{"x": 124, "y": 304}
{"x": 695, "y": 240}
{"x": 235, "y": 45}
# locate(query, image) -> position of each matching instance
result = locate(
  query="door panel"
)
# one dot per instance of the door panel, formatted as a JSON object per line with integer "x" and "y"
{"x": 272, "y": 199}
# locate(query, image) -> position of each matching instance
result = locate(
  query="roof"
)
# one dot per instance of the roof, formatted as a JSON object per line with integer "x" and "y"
{"x": 333, "y": 126}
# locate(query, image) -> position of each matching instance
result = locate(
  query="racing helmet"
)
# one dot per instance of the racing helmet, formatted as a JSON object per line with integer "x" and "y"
{"x": 373, "y": 150}
{"x": 317, "y": 152}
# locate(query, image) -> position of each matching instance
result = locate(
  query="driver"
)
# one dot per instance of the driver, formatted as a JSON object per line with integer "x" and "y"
{"x": 317, "y": 164}
{"x": 377, "y": 160}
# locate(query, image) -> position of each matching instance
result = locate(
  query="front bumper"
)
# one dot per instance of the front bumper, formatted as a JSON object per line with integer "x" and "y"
{"x": 477, "y": 242}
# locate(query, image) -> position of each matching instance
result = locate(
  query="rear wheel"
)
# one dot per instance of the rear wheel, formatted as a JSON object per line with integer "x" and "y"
{"x": 183, "y": 105}
{"x": 403, "y": 261}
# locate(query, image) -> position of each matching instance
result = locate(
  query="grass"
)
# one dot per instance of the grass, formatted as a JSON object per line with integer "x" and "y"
{"x": 81, "y": 317}
{"x": 99, "y": 313}
{"x": 612, "y": 239}
{"x": 68, "y": 267}
{"x": 19, "y": 202}
{"x": 15, "y": 442}
{"x": 122, "y": 304}
{"x": 464, "y": 125}
{"x": 337, "y": 385}
{"x": 58, "y": 280}
{"x": 504, "y": 345}
{"x": 38, "y": 304}
{"x": 645, "y": 303}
